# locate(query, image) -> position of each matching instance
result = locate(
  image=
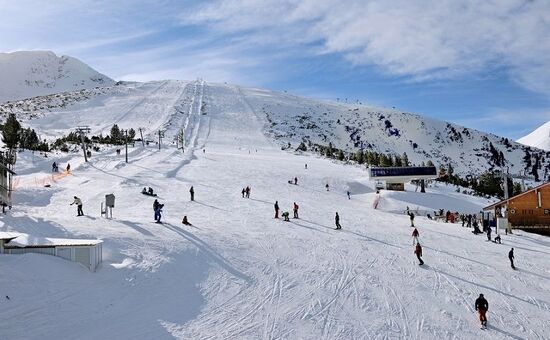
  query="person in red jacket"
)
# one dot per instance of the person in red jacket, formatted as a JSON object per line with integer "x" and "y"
{"x": 415, "y": 235}
{"x": 418, "y": 252}
{"x": 295, "y": 209}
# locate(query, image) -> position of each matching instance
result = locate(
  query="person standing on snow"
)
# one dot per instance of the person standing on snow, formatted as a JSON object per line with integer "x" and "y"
{"x": 415, "y": 235}
{"x": 192, "y": 193}
{"x": 54, "y": 167}
{"x": 511, "y": 257}
{"x": 349, "y": 197}
{"x": 295, "y": 180}
{"x": 488, "y": 233}
{"x": 68, "y": 168}
{"x": 78, "y": 203}
{"x": 482, "y": 306}
{"x": 411, "y": 217}
{"x": 243, "y": 192}
{"x": 158, "y": 213}
{"x": 295, "y": 210}
{"x": 337, "y": 221}
{"x": 276, "y": 206}
{"x": 418, "y": 253}
{"x": 247, "y": 191}
{"x": 155, "y": 209}
{"x": 326, "y": 186}
{"x": 306, "y": 166}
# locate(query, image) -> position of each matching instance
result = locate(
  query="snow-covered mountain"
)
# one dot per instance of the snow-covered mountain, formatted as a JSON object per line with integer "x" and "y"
{"x": 540, "y": 138}
{"x": 26, "y": 74}
{"x": 165, "y": 105}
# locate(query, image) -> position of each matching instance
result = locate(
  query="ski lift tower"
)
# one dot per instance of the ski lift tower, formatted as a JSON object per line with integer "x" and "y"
{"x": 82, "y": 131}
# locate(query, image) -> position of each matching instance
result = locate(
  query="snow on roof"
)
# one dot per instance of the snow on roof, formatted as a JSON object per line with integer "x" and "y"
{"x": 8, "y": 235}
{"x": 26, "y": 240}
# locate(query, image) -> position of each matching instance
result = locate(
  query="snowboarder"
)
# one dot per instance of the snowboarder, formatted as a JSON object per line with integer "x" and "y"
{"x": 295, "y": 210}
{"x": 497, "y": 239}
{"x": 349, "y": 197}
{"x": 488, "y": 233}
{"x": 243, "y": 192}
{"x": 326, "y": 186}
{"x": 511, "y": 257}
{"x": 411, "y": 217}
{"x": 418, "y": 253}
{"x": 285, "y": 216}
{"x": 482, "y": 306}
{"x": 337, "y": 221}
{"x": 185, "y": 221}
{"x": 295, "y": 180}
{"x": 415, "y": 235}
{"x": 78, "y": 203}
{"x": 276, "y": 206}
{"x": 68, "y": 168}
{"x": 192, "y": 193}
{"x": 247, "y": 190}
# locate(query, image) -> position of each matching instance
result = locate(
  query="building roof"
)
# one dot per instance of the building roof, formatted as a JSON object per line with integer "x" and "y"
{"x": 489, "y": 207}
{"x": 21, "y": 240}
{"x": 7, "y": 236}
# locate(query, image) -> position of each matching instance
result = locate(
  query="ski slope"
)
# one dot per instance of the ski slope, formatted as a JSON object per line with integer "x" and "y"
{"x": 238, "y": 273}
{"x": 539, "y": 138}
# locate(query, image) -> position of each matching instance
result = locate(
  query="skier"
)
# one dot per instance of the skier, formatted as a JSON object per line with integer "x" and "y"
{"x": 295, "y": 210}
{"x": 295, "y": 180}
{"x": 285, "y": 216}
{"x": 185, "y": 221}
{"x": 68, "y": 168}
{"x": 511, "y": 257}
{"x": 247, "y": 190}
{"x": 415, "y": 235}
{"x": 158, "y": 213}
{"x": 54, "y": 167}
{"x": 418, "y": 253}
{"x": 326, "y": 186}
{"x": 156, "y": 209}
{"x": 276, "y": 206}
{"x": 497, "y": 239}
{"x": 337, "y": 221}
{"x": 306, "y": 166}
{"x": 482, "y": 306}
{"x": 488, "y": 233}
{"x": 349, "y": 197}
{"x": 243, "y": 192}
{"x": 78, "y": 203}
{"x": 411, "y": 216}
{"x": 192, "y": 193}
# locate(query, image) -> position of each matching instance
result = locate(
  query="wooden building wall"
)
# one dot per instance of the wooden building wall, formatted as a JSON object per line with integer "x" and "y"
{"x": 525, "y": 210}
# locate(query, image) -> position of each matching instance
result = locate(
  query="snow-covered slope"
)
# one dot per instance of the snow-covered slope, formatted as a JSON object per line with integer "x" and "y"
{"x": 540, "y": 138}
{"x": 26, "y": 74}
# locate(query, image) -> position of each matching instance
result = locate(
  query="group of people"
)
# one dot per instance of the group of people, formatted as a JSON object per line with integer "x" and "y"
{"x": 55, "y": 167}
{"x": 246, "y": 192}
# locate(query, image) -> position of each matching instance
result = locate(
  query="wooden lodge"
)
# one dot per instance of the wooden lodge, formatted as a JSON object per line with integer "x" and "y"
{"x": 529, "y": 210}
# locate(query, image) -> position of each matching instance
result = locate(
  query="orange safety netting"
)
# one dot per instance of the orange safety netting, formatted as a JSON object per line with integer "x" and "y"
{"x": 39, "y": 181}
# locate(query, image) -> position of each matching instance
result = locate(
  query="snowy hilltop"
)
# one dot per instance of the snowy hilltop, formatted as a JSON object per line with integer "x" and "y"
{"x": 287, "y": 119}
{"x": 28, "y": 74}
{"x": 539, "y": 138}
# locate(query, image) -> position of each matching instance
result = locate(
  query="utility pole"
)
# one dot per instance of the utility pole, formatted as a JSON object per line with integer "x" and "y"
{"x": 126, "y": 143}
{"x": 82, "y": 131}
{"x": 161, "y": 134}
{"x": 142, "y": 140}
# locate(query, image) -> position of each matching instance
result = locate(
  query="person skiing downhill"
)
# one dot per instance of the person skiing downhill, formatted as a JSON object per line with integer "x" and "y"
{"x": 295, "y": 210}
{"x": 276, "y": 206}
{"x": 337, "y": 221}
{"x": 511, "y": 257}
{"x": 418, "y": 253}
{"x": 415, "y": 235}
{"x": 192, "y": 193}
{"x": 78, "y": 203}
{"x": 482, "y": 306}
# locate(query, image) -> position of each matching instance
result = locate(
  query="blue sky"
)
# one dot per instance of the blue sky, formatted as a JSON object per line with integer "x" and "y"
{"x": 480, "y": 64}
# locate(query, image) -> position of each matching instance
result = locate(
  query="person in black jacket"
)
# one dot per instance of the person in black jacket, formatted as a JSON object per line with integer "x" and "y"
{"x": 337, "y": 221}
{"x": 511, "y": 257}
{"x": 482, "y": 306}
{"x": 192, "y": 193}
{"x": 276, "y": 206}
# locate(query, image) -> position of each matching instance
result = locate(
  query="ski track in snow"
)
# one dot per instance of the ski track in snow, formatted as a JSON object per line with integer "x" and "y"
{"x": 238, "y": 273}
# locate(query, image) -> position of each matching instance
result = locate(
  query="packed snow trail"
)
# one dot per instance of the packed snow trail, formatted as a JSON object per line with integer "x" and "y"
{"x": 238, "y": 273}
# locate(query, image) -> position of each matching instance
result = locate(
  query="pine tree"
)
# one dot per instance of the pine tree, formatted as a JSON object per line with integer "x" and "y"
{"x": 116, "y": 135}
{"x": 404, "y": 159}
{"x": 429, "y": 163}
{"x": 10, "y": 132}
{"x": 360, "y": 157}
{"x": 131, "y": 134}
{"x": 341, "y": 156}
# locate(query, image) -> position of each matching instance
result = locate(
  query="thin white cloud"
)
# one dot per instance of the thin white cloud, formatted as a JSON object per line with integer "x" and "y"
{"x": 418, "y": 39}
